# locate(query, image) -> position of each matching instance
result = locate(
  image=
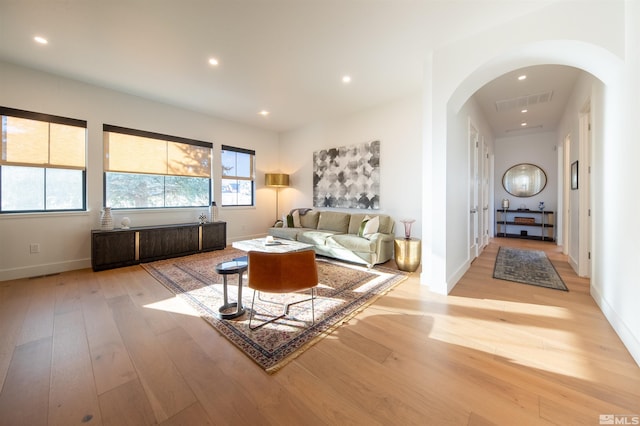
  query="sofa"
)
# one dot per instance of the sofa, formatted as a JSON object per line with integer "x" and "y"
{"x": 354, "y": 237}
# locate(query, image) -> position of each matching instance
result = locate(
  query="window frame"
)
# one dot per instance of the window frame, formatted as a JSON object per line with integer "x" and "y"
{"x": 49, "y": 119}
{"x": 109, "y": 128}
{"x": 251, "y": 178}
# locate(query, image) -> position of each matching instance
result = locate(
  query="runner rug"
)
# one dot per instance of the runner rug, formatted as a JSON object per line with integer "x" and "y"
{"x": 527, "y": 267}
{"x": 343, "y": 291}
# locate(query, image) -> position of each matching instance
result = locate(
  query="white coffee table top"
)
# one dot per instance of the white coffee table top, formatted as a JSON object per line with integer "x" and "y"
{"x": 279, "y": 246}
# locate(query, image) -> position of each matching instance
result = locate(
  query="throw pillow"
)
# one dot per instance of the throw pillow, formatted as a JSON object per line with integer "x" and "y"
{"x": 290, "y": 221}
{"x": 296, "y": 219}
{"x": 285, "y": 222}
{"x": 371, "y": 227}
{"x": 362, "y": 226}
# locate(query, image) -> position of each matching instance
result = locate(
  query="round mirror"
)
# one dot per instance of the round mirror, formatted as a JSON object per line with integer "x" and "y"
{"x": 524, "y": 180}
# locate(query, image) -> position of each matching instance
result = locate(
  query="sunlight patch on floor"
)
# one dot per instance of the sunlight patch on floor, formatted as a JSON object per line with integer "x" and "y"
{"x": 173, "y": 304}
{"x": 506, "y": 306}
{"x": 507, "y": 330}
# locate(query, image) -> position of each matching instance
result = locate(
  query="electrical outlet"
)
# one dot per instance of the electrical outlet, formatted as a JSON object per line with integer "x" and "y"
{"x": 34, "y": 248}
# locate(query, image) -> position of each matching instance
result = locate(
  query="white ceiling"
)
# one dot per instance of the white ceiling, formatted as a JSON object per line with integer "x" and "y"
{"x": 543, "y": 94}
{"x": 284, "y": 56}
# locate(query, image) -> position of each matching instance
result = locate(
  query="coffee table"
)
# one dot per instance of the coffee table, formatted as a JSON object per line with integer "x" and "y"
{"x": 280, "y": 246}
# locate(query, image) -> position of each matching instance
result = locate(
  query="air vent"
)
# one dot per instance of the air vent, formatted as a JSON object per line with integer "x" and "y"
{"x": 523, "y": 101}
{"x": 520, "y": 129}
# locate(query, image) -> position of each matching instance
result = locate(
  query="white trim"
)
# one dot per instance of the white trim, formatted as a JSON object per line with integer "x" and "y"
{"x": 624, "y": 332}
{"x": 43, "y": 269}
{"x": 457, "y": 275}
{"x": 584, "y": 188}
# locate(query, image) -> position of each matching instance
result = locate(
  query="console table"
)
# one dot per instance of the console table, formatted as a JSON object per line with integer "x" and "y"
{"x": 124, "y": 247}
{"x": 518, "y": 223}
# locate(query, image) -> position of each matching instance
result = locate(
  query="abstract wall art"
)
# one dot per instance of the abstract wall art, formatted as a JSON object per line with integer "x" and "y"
{"x": 347, "y": 176}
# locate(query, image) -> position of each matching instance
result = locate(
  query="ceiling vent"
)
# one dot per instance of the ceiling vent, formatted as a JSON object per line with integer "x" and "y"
{"x": 524, "y": 101}
{"x": 520, "y": 129}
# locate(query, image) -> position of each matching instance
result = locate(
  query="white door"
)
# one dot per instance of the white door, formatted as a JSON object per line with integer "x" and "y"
{"x": 584, "y": 191}
{"x": 485, "y": 194}
{"x": 473, "y": 192}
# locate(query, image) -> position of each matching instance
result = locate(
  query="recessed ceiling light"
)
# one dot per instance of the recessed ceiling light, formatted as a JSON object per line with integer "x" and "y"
{"x": 522, "y": 77}
{"x": 524, "y": 110}
{"x": 346, "y": 79}
{"x": 523, "y": 124}
{"x": 213, "y": 61}
{"x": 264, "y": 113}
{"x": 41, "y": 40}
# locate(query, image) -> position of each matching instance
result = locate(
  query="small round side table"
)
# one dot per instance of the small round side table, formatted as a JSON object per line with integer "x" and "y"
{"x": 408, "y": 252}
{"x": 228, "y": 268}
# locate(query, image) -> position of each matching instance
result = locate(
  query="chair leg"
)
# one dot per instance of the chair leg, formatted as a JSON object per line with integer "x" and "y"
{"x": 253, "y": 299}
{"x": 285, "y": 310}
{"x": 313, "y": 309}
{"x": 252, "y": 312}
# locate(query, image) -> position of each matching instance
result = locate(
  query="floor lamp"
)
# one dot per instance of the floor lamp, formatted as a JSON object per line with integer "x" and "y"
{"x": 277, "y": 181}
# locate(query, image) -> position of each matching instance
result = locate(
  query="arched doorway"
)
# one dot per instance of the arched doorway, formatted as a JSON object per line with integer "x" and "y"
{"x": 447, "y": 251}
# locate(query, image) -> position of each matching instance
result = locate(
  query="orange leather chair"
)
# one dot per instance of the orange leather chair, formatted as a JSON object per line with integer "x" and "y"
{"x": 282, "y": 273}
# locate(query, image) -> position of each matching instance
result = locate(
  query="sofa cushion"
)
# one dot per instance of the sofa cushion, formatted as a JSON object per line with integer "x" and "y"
{"x": 315, "y": 237}
{"x": 310, "y": 219}
{"x": 334, "y": 221}
{"x": 286, "y": 233}
{"x": 352, "y": 242}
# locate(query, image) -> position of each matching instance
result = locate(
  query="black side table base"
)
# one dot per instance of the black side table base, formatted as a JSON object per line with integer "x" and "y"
{"x": 222, "y": 314}
{"x": 229, "y": 268}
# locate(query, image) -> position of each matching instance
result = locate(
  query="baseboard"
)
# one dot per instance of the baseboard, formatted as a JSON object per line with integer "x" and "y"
{"x": 629, "y": 340}
{"x": 43, "y": 269}
{"x": 573, "y": 263}
{"x": 245, "y": 237}
{"x": 457, "y": 276}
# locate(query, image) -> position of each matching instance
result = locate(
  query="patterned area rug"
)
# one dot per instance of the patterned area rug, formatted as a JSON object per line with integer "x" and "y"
{"x": 344, "y": 290}
{"x": 527, "y": 267}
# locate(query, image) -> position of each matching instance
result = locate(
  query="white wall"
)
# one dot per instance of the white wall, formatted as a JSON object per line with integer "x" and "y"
{"x": 64, "y": 238}
{"x": 584, "y": 92}
{"x": 614, "y": 278}
{"x": 396, "y": 125}
{"x": 539, "y": 149}
{"x": 604, "y": 42}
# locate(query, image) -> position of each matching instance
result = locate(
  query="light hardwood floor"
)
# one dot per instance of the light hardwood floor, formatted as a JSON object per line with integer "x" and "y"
{"x": 115, "y": 348}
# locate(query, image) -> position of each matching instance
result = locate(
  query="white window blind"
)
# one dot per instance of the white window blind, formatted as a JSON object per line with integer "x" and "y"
{"x": 133, "y": 151}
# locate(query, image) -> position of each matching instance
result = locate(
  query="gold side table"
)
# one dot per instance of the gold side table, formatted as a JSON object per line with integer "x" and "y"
{"x": 408, "y": 252}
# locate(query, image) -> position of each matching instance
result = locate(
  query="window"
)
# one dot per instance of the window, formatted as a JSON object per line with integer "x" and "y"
{"x": 42, "y": 163}
{"x": 150, "y": 170}
{"x": 237, "y": 176}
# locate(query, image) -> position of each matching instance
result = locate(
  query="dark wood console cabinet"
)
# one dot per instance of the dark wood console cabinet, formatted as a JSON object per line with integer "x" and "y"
{"x": 124, "y": 247}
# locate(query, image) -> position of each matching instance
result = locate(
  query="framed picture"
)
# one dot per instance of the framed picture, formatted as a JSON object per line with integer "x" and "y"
{"x": 347, "y": 177}
{"x": 574, "y": 175}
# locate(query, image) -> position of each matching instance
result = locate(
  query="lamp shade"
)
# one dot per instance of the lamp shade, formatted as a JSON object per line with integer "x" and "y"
{"x": 276, "y": 179}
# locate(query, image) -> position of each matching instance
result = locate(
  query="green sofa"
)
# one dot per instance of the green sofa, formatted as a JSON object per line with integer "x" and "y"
{"x": 336, "y": 234}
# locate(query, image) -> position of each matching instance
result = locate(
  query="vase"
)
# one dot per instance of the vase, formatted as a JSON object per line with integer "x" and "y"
{"x": 213, "y": 212}
{"x": 407, "y": 227}
{"x": 106, "y": 220}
